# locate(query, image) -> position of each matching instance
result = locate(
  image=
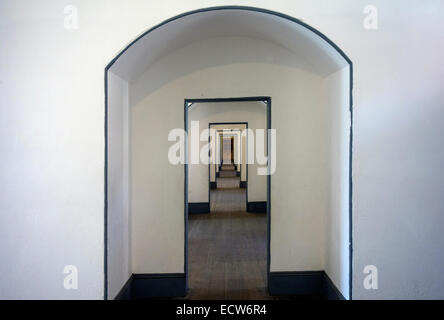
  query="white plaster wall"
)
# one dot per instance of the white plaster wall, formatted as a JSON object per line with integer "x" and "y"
{"x": 337, "y": 233}
{"x": 52, "y": 116}
{"x": 298, "y": 187}
{"x": 255, "y": 113}
{"x": 157, "y": 205}
{"x": 298, "y": 204}
{"x": 119, "y": 269}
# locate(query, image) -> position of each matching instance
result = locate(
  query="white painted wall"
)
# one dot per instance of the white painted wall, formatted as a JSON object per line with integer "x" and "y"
{"x": 298, "y": 187}
{"x": 52, "y": 117}
{"x": 297, "y": 217}
{"x": 337, "y": 232}
{"x": 119, "y": 269}
{"x": 255, "y": 113}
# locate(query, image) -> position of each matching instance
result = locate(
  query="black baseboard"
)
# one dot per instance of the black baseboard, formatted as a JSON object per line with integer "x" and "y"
{"x": 125, "y": 292}
{"x": 237, "y": 173}
{"x": 297, "y": 283}
{"x": 243, "y": 184}
{"x": 143, "y": 286}
{"x": 303, "y": 283}
{"x": 217, "y": 174}
{"x": 198, "y": 207}
{"x": 257, "y": 206}
{"x": 330, "y": 290}
{"x": 316, "y": 284}
{"x": 213, "y": 185}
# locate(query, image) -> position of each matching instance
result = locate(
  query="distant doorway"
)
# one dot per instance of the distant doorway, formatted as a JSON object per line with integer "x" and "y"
{"x": 227, "y": 248}
{"x": 232, "y": 137}
{"x": 227, "y": 150}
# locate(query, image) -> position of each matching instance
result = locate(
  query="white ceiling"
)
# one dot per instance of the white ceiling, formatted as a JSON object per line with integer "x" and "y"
{"x": 305, "y": 44}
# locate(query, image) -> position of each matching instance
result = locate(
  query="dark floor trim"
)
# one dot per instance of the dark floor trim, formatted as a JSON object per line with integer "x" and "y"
{"x": 147, "y": 285}
{"x": 237, "y": 173}
{"x": 330, "y": 290}
{"x": 198, "y": 207}
{"x": 213, "y": 185}
{"x": 125, "y": 292}
{"x": 217, "y": 174}
{"x": 296, "y": 283}
{"x": 257, "y": 206}
{"x": 243, "y": 184}
{"x": 303, "y": 283}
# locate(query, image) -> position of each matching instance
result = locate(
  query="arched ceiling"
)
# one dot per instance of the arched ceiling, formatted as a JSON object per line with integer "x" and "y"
{"x": 319, "y": 56}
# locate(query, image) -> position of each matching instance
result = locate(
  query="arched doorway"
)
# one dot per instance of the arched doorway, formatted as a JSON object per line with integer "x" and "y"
{"x": 312, "y": 229}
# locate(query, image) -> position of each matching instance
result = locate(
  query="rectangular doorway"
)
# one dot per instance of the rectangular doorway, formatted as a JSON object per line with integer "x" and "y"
{"x": 241, "y": 272}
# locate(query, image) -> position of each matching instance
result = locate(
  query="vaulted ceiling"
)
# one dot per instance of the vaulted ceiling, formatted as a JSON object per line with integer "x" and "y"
{"x": 309, "y": 50}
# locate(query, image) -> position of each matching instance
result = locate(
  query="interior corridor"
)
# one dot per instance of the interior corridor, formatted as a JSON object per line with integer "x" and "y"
{"x": 227, "y": 247}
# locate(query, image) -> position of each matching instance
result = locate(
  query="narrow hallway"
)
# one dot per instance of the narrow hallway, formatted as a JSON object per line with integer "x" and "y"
{"x": 227, "y": 248}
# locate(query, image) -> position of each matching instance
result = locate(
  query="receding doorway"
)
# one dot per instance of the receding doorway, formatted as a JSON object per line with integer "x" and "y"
{"x": 227, "y": 248}
{"x": 228, "y": 138}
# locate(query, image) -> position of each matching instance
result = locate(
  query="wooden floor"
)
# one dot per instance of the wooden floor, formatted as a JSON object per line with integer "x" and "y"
{"x": 227, "y": 248}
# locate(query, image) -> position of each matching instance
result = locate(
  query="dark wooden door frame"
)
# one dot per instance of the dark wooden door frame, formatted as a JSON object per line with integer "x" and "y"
{"x": 232, "y": 149}
{"x": 246, "y": 159}
{"x": 187, "y": 104}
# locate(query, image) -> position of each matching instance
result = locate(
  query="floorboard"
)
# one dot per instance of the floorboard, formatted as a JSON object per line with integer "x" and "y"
{"x": 227, "y": 248}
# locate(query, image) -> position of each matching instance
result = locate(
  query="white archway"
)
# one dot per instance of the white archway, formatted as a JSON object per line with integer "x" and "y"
{"x": 206, "y": 53}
